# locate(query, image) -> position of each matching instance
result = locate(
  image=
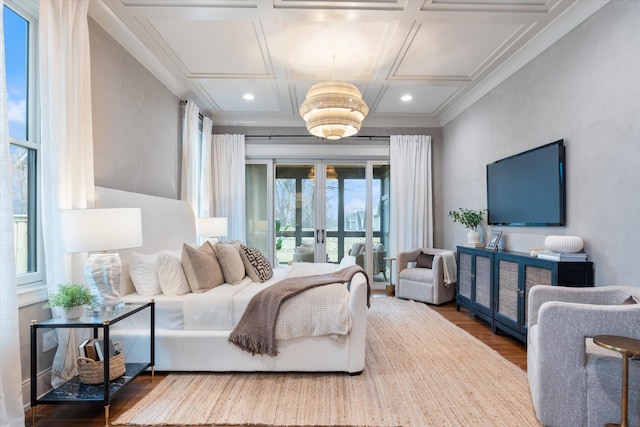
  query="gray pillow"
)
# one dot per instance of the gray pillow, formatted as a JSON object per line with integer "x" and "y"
{"x": 228, "y": 255}
{"x": 201, "y": 268}
{"x": 424, "y": 261}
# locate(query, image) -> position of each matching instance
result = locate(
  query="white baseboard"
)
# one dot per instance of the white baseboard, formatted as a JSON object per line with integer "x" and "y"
{"x": 44, "y": 386}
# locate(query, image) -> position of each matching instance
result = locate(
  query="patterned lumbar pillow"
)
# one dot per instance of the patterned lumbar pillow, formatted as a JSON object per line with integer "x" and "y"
{"x": 256, "y": 265}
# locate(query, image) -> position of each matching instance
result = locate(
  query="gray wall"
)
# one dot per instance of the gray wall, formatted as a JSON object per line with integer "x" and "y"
{"x": 136, "y": 122}
{"x": 584, "y": 89}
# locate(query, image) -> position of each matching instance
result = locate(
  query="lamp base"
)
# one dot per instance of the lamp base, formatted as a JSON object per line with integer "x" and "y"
{"x": 109, "y": 307}
{"x": 102, "y": 272}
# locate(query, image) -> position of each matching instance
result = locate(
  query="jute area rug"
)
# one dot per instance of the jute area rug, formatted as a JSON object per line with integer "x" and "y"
{"x": 421, "y": 370}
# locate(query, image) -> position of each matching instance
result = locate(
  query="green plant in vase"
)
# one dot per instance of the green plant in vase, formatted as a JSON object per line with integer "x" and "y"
{"x": 71, "y": 296}
{"x": 471, "y": 219}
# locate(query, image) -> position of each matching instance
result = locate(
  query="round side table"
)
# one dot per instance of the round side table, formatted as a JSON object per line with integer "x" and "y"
{"x": 390, "y": 290}
{"x": 627, "y": 347}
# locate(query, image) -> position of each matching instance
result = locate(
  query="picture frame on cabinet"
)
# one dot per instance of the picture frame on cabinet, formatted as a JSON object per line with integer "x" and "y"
{"x": 492, "y": 244}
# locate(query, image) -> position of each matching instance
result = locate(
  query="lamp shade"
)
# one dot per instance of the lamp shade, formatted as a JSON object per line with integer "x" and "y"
{"x": 93, "y": 230}
{"x": 211, "y": 227}
{"x": 333, "y": 110}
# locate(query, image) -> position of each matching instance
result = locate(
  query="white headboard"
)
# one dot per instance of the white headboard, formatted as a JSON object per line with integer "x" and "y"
{"x": 166, "y": 224}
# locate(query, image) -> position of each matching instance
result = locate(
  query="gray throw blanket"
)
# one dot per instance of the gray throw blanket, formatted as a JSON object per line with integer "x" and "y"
{"x": 256, "y": 331}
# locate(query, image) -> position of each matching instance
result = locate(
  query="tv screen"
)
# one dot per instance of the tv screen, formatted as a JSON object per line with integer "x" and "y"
{"x": 528, "y": 188}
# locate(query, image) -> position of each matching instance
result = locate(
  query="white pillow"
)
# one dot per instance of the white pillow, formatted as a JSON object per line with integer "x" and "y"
{"x": 173, "y": 281}
{"x": 144, "y": 276}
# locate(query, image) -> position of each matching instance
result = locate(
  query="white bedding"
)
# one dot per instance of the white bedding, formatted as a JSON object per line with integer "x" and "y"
{"x": 221, "y": 308}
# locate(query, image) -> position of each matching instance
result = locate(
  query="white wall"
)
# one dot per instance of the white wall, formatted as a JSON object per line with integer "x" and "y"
{"x": 584, "y": 89}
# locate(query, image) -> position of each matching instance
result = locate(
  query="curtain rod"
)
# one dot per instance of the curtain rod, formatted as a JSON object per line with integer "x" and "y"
{"x": 371, "y": 137}
{"x": 200, "y": 116}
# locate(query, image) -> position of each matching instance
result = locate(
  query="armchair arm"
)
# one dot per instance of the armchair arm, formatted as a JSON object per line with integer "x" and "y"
{"x": 605, "y": 295}
{"x": 406, "y": 257}
{"x": 557, "y": 350}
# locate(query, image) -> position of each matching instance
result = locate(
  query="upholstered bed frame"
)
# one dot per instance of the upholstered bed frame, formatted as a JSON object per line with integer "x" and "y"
{"x": 167, "y": 224}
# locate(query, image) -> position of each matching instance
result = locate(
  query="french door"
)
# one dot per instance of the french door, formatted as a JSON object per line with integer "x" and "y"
{"x": 321, "y": 210}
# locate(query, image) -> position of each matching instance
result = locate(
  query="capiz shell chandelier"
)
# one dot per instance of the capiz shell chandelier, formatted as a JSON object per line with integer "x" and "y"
{"x": 333, "y": 110}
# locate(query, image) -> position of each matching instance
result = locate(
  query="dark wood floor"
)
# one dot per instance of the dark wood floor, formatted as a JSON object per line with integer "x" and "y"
{"x": 85, "y": 415}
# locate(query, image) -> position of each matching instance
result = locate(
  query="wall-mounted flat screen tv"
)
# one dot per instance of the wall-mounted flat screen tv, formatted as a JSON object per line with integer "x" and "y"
{"x": 528, "y": 189}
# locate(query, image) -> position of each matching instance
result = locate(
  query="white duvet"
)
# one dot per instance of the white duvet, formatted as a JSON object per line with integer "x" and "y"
{"x": 316, "y": 312}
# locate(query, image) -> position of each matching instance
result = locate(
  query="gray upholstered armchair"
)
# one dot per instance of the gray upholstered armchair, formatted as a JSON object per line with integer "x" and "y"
{"x": 426, "y": 284}
{"x": 573, "y": 381}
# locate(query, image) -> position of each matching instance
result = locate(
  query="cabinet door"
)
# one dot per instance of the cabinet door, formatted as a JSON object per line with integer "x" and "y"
{"x": 508, "y": 298}
{"x": 534, "y": 276}
{"x": 465, "y": 275}
{"x": 483, "y": 282}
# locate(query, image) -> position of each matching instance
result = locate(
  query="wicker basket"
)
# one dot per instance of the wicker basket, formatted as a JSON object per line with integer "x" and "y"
{"x": 92, "y": 372}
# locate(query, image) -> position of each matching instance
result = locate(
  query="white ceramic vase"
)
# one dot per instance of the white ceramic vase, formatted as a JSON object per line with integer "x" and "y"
{"x": 473, "y": 236}
{"x": 73, "y": 312}
{"x": 566, "y": 244}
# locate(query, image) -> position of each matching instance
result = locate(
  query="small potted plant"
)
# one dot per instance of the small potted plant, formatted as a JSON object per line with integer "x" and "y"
{"x": 72, "y": 298}
{"x": 470, "y": 219}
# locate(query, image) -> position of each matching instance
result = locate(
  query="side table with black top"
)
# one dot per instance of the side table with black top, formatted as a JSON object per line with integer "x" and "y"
{"x": 627, "y": 347}
{"x": 73, "y": 391}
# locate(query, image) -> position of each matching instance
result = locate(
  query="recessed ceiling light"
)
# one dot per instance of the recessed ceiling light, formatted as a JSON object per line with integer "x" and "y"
{"x": 406, "y": 98}
{"x": 248, "y": 97}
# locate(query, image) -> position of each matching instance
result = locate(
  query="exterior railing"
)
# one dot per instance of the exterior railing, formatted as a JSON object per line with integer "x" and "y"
{"x": 21, "y": 242}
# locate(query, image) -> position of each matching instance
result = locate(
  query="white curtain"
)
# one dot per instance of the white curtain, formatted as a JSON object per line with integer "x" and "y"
{"x": 11, "y": 406}
{"x": 190, "y": 154}
{"x": 411, "y": 193}
{"x": 228, "y": 183}
{"x": 67, "y": 146}
{"x": 206, "y": 202}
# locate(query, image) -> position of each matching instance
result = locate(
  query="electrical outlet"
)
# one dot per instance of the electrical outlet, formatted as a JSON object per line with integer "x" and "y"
{"x": 49, "y": 341}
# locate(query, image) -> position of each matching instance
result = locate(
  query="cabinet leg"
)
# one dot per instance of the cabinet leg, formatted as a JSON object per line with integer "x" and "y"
{"x": 106, "y": 415}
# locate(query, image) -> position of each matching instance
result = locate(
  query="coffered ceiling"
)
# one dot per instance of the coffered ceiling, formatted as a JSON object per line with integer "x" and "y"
{"x": 446, "y": 54}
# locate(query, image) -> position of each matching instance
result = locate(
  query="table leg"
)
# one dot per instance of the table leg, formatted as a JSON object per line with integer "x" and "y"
{"x": 624, "y": 398}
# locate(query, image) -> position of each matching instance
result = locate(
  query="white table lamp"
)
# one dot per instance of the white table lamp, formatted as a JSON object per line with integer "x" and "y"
{"x": 211, "y": 227}
{"x": 98, "y": 231}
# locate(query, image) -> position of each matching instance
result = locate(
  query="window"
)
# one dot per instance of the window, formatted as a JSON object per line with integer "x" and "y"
{"x": 19, "y": 30}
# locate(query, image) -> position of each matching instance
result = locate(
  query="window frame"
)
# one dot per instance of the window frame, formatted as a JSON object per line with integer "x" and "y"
{"x": 31, "y": 285}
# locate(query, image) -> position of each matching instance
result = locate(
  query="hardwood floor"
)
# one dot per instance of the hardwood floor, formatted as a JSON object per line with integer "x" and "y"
{"x": 91, "y": 415}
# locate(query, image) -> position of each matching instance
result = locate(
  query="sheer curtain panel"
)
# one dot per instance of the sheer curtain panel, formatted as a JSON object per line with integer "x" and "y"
{"x": 67, "y": 147}
{"x": 206, "y": 204}
{"x": 11, "y": 406}
{"x": 411, "y": 193}
{"x": 228, "y": 183}
{"x": 190, "y": 154}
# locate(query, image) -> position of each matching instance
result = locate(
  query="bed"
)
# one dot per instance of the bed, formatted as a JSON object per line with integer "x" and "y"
{"x": 192, "y": 330}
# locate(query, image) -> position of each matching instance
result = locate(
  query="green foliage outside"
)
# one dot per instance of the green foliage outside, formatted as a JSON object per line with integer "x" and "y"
{"x": 280, "y": 234}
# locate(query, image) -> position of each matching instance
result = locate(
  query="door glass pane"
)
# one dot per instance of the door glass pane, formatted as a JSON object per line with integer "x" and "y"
{"x": 257, "y": 207}
{"x": 294, "y": 204}
{"x": 380, "y": 209}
